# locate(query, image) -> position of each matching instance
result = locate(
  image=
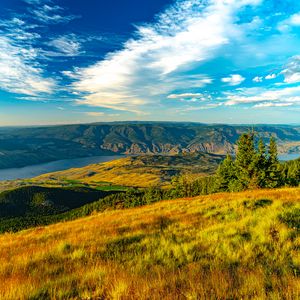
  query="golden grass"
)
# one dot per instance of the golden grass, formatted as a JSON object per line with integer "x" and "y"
{"x": 122, "y": 171}
{"x": 223, "y": 246}
{"x": 130, "y": 171}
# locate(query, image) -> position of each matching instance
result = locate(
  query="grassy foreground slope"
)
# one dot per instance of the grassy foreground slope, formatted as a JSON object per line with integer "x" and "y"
{"x": 33, "y": 206}
{"x": 139, "y": 171}
{"x": 222, "y": 246}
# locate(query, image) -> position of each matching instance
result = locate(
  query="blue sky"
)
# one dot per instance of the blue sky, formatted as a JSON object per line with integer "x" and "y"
{"x": 224, "y": 61}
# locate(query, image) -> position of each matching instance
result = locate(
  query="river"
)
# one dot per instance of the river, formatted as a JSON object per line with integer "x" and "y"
{"x": 288, "y": 156}
{"x": 58, "y": 165}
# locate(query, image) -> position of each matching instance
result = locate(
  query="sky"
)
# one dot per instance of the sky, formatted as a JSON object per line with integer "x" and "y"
{"x": 209, "y": 61}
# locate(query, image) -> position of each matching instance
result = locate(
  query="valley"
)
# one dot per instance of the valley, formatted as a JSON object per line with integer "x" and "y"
{"x": 132, "y": 171}
{"x": 21, "y": 147}
{"x": 117, "y": 229}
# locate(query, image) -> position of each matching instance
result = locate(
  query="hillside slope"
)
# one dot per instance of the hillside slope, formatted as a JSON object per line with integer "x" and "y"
{"x": 37, "y": 201}
{"x": 26, "y": 146}
{"x": 223, "y": 246}
{"x": 139, "y": 171}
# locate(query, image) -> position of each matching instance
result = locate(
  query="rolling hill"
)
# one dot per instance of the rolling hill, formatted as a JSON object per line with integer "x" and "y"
{"x": 25, "y": 146}
{"x": 37, "y": 201}
{"x": 32, "y": 206}
{"x": 223, "y": 246}
{"x": 137, "y": 171}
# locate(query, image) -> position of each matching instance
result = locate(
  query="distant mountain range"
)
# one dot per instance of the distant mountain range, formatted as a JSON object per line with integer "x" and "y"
{"x": 32, "y": 145}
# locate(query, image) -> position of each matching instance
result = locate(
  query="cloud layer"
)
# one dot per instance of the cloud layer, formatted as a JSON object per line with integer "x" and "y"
{"x": 23, "y": 60}
{"x": 159, "y": 59}
{"x": 19, "y": 70}
{"x": 195, "y": 55}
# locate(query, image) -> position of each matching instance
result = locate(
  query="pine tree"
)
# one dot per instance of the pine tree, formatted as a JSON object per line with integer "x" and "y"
{"x": 273, "y": 167}
{"x": 226, "y": 174}
{"x": 261, "y": 164}
{"x": 245, "y": 160}
{"x": 291, "y": 173}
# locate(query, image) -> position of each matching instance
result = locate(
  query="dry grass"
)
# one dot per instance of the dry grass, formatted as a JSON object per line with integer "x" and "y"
{"x": 139, "y": 171}
{"x": 121, "y": 171}
{"x": 224, "y": 246}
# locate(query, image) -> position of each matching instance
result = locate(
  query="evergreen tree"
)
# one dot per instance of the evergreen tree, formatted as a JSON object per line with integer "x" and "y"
{"x": 261, "y": 164}
{"x": 226, "y": 174}
{"x": 294, "y": 173}
{"x": 177, "y": 187}
{"x": 245, "y": 161}
{"x": 273, "y": 167}
{"x": 290, "y": 173}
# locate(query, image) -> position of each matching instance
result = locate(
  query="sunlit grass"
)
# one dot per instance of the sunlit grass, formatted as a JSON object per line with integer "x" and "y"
{"x": 223, "y": 246}
{"x": 120, "y": 172}
{"x": 137, "y": 171}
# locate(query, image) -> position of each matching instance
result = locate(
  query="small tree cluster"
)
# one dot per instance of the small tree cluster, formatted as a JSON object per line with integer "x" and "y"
{"x": 290, "y": 172}
{"x": 253, "y": 167}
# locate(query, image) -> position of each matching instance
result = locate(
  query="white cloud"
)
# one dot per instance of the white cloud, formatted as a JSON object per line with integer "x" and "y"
{"x": 271, "y": 76}
{"x": 19, "y": 71}
{"x": 94, "y": 113}
{"x": 291, "y": 71}
{"x": 185, "y": 95}
{"x": 234, "y": 79}
{"x": 270, "y": 104}
{"x": 189, "y": 33}
{"x": 65, "y": 45}
{"x": 257, "y": 79}
{"x": 202, "y": 107}
{"x": 35, "y": 1}
{"x": 257, "y": 95}
{"x": 50, "y": 14}
{"x": 291, "y": 21}
{"x": 18, "y": 30}
{"x": 295, "y": 19}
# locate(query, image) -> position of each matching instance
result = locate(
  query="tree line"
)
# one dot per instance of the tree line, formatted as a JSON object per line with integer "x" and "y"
{"x": 253, "y": 167}
{"x": 256, "y": 165}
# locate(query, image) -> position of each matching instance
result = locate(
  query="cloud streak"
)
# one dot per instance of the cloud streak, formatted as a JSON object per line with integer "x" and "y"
{"x": 65, "y": 45}
{"x": 50, "y": 14}
{"x": 197, "y": 55}
{"x": 274, "y": 97}
{"x": 19, "y": 71}
{"x": 22, "y": 70}
{"x": 291, "y": 71}
{"x": 186, "y": 35}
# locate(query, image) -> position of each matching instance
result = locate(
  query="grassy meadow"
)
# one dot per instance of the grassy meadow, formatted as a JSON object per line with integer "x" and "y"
{"x": 224, "y": 246}
{"x": 137, "y": 171}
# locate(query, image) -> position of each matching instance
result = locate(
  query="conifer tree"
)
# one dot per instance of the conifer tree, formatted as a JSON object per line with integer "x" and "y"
{"x": 261, "y": 164}
{"x": 245, "y": 160}
{"x": 293, "y": 174}
{"x": 273, "y": 167}
{"x": 226, "y": 174}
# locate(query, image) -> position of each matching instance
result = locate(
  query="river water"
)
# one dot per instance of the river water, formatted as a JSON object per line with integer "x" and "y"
{"x": 291, "y": 156}
{"x": 59, "y": 165}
